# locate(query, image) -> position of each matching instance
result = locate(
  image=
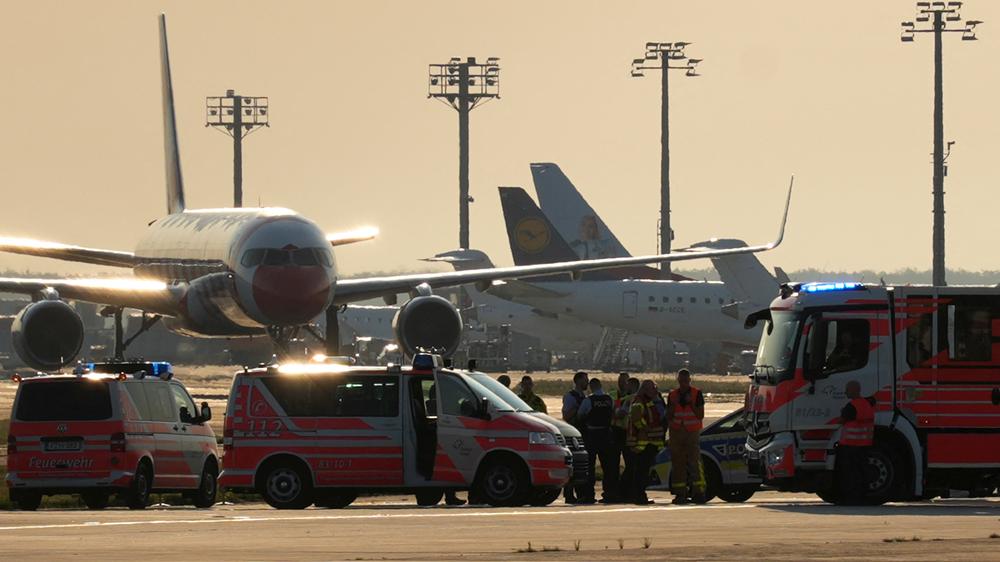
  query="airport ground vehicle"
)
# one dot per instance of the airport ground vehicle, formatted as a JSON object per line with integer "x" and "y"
{"x": 723, "y": 455}
{"x": 124, "y": 428}
{"x": 318, "y": 433}
{"x": 929, "y": 358}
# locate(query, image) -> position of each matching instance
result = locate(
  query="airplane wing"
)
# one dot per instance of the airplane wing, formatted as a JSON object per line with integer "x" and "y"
{"x": 144, "y": 294}
{"x": 350, "y": 290}
{"x": 350, "y": 237}
{"x": 66, "y": 252}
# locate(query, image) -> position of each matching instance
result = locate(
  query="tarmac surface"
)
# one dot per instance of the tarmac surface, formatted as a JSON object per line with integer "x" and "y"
{"x": 771, "y": 526}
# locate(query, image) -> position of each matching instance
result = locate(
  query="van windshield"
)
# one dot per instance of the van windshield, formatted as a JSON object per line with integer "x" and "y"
{"x": 65, "y": 400}
{"x": 482, "y": 392}
{"x": 502, "y": 392}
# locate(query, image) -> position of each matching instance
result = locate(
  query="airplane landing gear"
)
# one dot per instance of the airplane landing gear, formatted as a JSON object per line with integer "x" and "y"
{"x": 121, "y": 344}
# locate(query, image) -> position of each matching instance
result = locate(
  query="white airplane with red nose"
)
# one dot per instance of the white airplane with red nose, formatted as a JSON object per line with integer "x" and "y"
{"x": 243, "y": 272}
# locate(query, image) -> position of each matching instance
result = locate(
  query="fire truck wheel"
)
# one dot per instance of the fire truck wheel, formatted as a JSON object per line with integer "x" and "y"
{"x": 504, "y": 482}
{"x": 27, "y": 500}
{"x": 880, "y": 475}
{"x": 137, "y": 495}
{"x": 286, "y": 485}
{"x": 429, "y": 496}
{"x": 335, "y": 499}
{"x": 738, "y": 494}
{"x": 541, "y": 497}
{"x": 204, "y": 497}
{"x": 95, "y": 499}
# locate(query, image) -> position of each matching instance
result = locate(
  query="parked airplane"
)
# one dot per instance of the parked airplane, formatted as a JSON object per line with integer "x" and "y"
{"x": 692, "y": 311}
{"x": 234, "y": 272}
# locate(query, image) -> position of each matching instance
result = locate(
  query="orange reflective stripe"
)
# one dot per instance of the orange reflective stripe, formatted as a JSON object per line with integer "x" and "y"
{"x": 684, "y": 416}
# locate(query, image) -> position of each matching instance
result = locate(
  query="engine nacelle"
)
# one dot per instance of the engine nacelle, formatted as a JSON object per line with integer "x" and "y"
{"x": 428, "y": 323}
{"x": 47, "y": 335}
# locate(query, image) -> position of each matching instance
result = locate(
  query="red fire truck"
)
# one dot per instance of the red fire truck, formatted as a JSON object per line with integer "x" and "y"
{"x": 318, "y": 433}
{"x": 929, "y": 358}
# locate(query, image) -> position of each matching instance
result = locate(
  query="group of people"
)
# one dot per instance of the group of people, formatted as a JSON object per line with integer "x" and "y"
{"x": 630, "y": 425}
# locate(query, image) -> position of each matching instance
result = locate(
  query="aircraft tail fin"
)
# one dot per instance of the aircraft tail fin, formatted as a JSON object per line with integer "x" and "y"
{"x": 781, "y": 276}
{"x": 171, "y": 148}
{"x": 572, "y": 216}
{"x": 744, "y": 275}
{"x": 463, "y": 259}
{"x": 533, "y": 239}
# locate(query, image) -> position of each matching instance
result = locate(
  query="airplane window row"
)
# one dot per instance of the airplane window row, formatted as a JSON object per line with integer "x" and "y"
{"x": 276, "y": 257}
{"x": 694, "y": 300}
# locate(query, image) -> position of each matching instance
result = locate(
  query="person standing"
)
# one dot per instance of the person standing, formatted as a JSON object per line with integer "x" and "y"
{"x": 528, "y": 395}
{"x": 857, "y": 435}
{"x": 685, "y": 415}
{"x": 597, "y": 411}
{"x": 626, "y": 483}
{"x": 570, "y": 410}
{"x": 645, "y": 437}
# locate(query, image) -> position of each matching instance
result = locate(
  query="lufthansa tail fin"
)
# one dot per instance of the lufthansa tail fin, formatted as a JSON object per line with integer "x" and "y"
{"x": 171, "y": 149}
{"x": 533, "y": 238}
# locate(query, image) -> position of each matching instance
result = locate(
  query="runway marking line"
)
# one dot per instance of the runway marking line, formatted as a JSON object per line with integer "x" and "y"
{"x": 455, "y": 513}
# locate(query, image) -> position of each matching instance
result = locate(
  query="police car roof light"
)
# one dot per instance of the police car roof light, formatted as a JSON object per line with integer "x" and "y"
{"x": 829, "y": 287}
{"x": 426, "y": 361}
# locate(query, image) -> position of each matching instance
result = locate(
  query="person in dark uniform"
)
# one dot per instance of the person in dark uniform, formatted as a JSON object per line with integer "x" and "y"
{"x": 597, "y": 412}
{"x": 570, "y": 410}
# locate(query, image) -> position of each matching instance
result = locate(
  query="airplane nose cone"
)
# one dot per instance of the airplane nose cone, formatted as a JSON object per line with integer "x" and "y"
{"x": 290, "y": 295}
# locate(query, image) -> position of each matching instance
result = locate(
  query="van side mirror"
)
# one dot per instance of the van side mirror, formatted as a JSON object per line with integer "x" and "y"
{"x": 206, "y": 413}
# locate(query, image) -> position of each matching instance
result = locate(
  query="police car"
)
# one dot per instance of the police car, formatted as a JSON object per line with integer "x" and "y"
{"x": 125, "y": 428}
{"x": 723, "y": 444}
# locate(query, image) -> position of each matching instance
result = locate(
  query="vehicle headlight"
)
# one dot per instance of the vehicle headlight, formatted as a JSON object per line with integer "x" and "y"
{"x": 775, "y": 457}
{"x": 541, "y": 438}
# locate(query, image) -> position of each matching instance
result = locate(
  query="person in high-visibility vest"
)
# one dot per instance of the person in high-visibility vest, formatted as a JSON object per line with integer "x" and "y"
{"x": 623, "y": 405}
{"x": 856, "y": 436}
{"x": 644, "y": 437}
{"x": 685, "y": 413}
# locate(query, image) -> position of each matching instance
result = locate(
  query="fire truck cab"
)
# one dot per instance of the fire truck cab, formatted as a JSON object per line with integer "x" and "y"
{"x": 929, "y": 358}
{"x": 321, "y": 433}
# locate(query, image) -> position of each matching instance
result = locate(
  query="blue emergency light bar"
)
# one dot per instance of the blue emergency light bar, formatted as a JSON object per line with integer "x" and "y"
{"x": 829, "y": 287}
{"x": 161, "y": 369}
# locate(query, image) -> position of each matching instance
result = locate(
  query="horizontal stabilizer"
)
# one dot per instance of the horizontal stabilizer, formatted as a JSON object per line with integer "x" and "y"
{"x": 513, "y": 290}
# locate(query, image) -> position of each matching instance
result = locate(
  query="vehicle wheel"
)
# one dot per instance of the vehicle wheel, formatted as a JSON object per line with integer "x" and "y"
{"x": 504, "y": 483}
{"x": 541, "y": 497}
{"x": 96, "y": 499}
{"x": 713, "y": 480}
{"x": 287, "y": 486}
{"x": 429, "y": 496}
{"x": 137, "y": 495}
{"x": 880, "y": 476}
{"x": 738, "y": 494}
{"x": 27, "y": 500}
{"x": 829, "y": 495}
{"x": 335, "y": 499}
{"x": 204, "y": 497}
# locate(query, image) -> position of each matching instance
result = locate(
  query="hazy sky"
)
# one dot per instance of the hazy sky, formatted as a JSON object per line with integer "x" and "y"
{"x": 822, "y": 90}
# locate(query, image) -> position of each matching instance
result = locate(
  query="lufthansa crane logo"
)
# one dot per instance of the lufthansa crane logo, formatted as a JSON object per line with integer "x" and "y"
{"x": 532, "y": 235}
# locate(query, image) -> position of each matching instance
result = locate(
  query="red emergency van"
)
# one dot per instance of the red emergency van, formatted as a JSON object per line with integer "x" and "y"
{"x": 108, "y": 428}
{"x": 303, "y": 434}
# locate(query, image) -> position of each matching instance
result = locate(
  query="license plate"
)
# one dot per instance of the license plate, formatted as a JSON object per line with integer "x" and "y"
{"x": 74, "y": 445}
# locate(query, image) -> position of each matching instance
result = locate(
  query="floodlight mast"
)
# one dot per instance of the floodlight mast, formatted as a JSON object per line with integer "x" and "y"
{"x": 939, "y": 15}
{"x": 236, "y": 116}
{"x": 665, "y": 57}
{"x": 463, "y": 86}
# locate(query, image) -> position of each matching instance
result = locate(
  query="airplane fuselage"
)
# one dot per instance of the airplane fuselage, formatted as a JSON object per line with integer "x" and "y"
{"x": 691, "y": 311}
{"x": 240, "y": 270}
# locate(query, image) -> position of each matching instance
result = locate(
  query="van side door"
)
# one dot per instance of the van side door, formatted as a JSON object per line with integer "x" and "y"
{"x": 458, "y": 452}
{"x": 190, "y": 437}
{"x": 168, "y": 458}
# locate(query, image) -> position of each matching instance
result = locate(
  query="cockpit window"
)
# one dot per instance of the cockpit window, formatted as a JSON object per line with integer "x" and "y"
{"x": 305, "y": 257}
{"x": 252, "y": 257}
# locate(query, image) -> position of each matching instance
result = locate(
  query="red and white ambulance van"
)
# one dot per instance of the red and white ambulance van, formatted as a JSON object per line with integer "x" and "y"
{"x": 320, "y": 433}
{"x": 929, "y": 359}
{"x": 108, "y": 428}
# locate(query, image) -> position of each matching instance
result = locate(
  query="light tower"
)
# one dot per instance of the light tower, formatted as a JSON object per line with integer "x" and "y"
{"x": 940, "y": 16}
{"x": 236, "y": 116}
{"x": 464, "y": 85}
{"x": 665, "y": 57}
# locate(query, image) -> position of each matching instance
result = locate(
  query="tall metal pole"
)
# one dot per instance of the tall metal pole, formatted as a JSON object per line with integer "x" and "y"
{"x": 463, "y": 156}
{"x": 237, "y": 151}
{"x": 665, "y": 232}
{"x": 938, "y": 242}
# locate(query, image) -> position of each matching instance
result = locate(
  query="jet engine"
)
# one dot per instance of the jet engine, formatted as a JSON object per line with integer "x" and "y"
{"x": 47, "y": 334}
{"x": 428, "y": 323}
